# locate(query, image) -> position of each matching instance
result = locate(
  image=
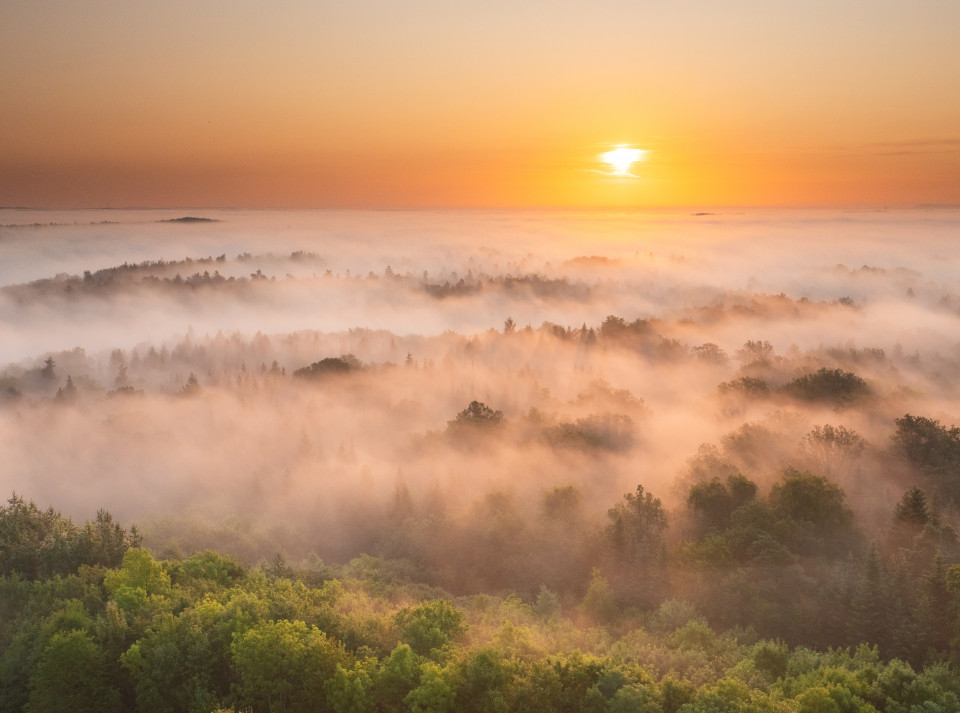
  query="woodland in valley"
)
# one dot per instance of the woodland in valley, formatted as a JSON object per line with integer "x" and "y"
{"x": 669, "y": 472}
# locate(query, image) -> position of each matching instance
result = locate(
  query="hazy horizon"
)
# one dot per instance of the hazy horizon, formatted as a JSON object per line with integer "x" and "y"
{"x": 433, "y": 104}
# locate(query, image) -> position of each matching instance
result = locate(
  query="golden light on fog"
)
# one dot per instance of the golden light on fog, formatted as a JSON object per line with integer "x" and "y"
{"x": 621, "y": 159}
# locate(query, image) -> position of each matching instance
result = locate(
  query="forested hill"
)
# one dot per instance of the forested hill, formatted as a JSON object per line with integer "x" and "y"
{"x": 89, "y": 620}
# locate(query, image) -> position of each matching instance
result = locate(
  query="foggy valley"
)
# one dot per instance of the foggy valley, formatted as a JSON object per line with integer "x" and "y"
{"x": 648, "y": 416}
{"x": 500, "y": 357}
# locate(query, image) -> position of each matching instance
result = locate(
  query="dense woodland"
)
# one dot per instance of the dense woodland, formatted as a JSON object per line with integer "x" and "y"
{"x": 91, "y": 621}
{"x": 730, "y": 499}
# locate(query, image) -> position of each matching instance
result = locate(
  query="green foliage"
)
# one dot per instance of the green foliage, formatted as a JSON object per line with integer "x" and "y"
{"x": 598, "y": 603}
{"x": 435, "y": 692}
{"x": 817, "y": 699}
{"x": 636, "y": 527}
{"x": 482, "y": 678}
{"x": 430, "y": 626}
{"x": 284, "y": 665}
{"x": 398, "y": 676}
{"x": 617, "y": 329}
{"x": 925, "y": 443}
{"x": 330, "y": 366}
{"x": 182, "y": 663}
{"x": 477, "y": 415}
{"x": 753, "y": 446}
{"x": 912, "y": 509}
{"x": 602, "y": 431}
{"x": 710, "y": 353}
{"x": 202, "y": 634}
{"x": 635, "y": 699}
{"x": 836, "y": 441}
{"x": 72, "y": 675}
{"x": 39, "y": 543}
{"x": 19, "y": 660}
{"x": 547, "y": 606}
{"x": 562, "y": 504}
{"x": 745, "y": 386}
{"x": 815, "y": 518}
{"x": 832, "y": 386}
{"x": 636, "y": 546}
{"x": 933, "y": 449}
{"x": 707, "y": 464}
{"x": 140, "y": 581}
{"x": 206, "y": 571}
{"x": 671, "y": 615}
{"x": 713, "y": 502}
{"x": 755, "y": 351}
{"x": 351, "y": 690}
{"x": 771, "y": 658}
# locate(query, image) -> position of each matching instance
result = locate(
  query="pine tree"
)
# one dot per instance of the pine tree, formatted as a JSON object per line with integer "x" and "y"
{"x": 869, "y": 617}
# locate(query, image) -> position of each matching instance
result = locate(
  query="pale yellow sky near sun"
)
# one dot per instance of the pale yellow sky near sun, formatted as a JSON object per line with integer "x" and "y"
{"x": 413, "y": 104}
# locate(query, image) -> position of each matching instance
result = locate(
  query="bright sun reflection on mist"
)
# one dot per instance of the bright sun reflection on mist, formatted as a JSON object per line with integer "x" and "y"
{"x": 621, "y": 159}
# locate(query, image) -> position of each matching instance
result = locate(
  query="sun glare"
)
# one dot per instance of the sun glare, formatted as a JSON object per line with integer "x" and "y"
{"x": 621, "y": 159}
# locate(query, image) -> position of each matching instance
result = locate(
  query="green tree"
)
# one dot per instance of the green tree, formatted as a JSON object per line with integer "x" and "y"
{"x": 103, "y": 541}
{"x": 399, "y": 674}
{"x": 910, "y": 517}
{"x": 182, "y": 663}
{"x": 72, "y": 675}
{"x": 547, "y": 606}
{"x": 746, "y": 387}
{"x": 139, "y": 580}
{"x": 351, "y": 689}
{"x": 934, "y": 610}
{"x": 206, "y": 572}
{"x": 930, "y": 446}
{"x": 713, "y": 502}
{"x": 477, "y": 415}
{"x": 330, "y": 366}
{"x": 598, "y": 603}
{"x": 434, "y": 694}
{"x": 815, "y": 518}
{"x": 832, "y": 449}
{"x": 430, "y": 625}
{"x": 34, "y": 542}
{"x": 47, "y": 372}
{"x": 603, "y": 431}
{"x": 636, "y": 526}
{"x": 870, "y": 608}
{"x": 635, "y": 539}
{"x": 283, "y": 666}
{"x": 933, "y": 449}
{"x": 832, "y": 386}
{"x": 483, "y": 678}
{"x": 39, "y": 543}
{"x": 912, "y": 509}
{"x": 754, "y": 351}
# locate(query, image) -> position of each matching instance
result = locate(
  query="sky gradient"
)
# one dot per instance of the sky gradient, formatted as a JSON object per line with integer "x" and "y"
{"x": 442, "y": 104}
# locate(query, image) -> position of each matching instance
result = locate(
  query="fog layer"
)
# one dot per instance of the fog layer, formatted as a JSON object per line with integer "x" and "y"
{"x": 163, "y": 369}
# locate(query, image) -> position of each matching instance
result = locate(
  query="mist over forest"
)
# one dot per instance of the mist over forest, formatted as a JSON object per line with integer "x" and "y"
{"x": 744, "y": 418}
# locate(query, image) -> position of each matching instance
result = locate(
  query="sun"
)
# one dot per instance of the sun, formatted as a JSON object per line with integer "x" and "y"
{"x": 621, "y": 159}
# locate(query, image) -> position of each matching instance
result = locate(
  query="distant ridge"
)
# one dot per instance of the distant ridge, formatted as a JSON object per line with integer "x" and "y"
{"x": 190, "y": 219}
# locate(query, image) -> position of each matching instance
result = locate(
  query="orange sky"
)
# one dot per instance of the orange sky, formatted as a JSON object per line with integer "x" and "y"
{"x": 381, "y": 103}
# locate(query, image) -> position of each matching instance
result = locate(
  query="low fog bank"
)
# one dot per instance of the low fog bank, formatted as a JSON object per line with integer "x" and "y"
{"x": 136, "y": 278}
{"x": 309, "y": 382}
{"x": 285, "y": 433}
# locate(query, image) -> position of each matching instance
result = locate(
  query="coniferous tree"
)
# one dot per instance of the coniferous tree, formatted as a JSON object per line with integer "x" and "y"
{"x": 870, "y": 605}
